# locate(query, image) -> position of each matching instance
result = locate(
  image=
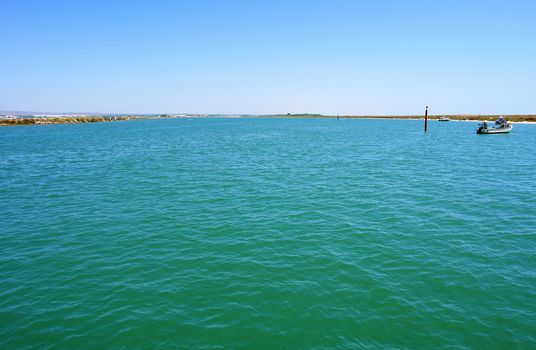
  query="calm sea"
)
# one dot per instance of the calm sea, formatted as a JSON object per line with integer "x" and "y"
{"x": 267, "y": 234}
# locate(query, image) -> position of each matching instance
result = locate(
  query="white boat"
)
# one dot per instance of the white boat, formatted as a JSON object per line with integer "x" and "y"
{"x": 443, "y": 119}
{"x": 503, "y": 127}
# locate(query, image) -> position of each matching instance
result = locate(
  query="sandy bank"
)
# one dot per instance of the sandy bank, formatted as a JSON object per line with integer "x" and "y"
{"x": 58, "y": 120}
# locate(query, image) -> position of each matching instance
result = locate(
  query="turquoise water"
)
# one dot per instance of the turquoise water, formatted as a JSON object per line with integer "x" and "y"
{"x": 267, "y": 234}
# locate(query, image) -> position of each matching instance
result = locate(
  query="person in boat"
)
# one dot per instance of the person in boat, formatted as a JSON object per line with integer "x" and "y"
{"x": 501, "y": 122}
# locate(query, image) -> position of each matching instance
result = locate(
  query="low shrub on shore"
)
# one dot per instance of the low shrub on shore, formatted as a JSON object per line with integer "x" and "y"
{"x": 60, "y": 120}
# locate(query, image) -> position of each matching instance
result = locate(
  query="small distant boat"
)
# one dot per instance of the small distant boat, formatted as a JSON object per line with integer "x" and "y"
{"x": 444, "y": 119}
{"x": 503, "y": 127}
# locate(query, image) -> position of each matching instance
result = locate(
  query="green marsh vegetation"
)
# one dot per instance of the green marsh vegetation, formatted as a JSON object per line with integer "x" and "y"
{"x": 59, "y": 120}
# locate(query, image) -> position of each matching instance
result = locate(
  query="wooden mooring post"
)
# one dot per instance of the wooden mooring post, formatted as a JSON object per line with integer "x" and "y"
{"x": 426, "y": 119}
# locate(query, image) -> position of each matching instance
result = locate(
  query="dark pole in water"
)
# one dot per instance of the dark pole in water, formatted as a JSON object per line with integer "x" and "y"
{"x": 426, "y": 120}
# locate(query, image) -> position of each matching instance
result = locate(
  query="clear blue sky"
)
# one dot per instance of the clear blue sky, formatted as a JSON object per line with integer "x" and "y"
{"x": 331, "y": 57}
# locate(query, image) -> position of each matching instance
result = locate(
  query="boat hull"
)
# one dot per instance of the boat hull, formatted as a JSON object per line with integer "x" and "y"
{"x": 494, "y": 130}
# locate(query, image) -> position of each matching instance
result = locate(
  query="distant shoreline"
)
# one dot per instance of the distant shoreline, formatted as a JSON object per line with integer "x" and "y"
{"x": 514, "y": 118}
{"x": 19, "y": 121}
{"x": 32, "y": 120}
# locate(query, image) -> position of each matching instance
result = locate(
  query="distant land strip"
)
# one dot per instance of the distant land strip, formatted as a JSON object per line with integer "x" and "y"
{"x": 13, "y": 120}
{"x": 24, "y": 120}
{"x": 470, "y": 117}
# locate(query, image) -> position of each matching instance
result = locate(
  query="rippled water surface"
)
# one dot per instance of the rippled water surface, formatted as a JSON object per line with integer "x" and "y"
{"x": 267, "y": 234}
